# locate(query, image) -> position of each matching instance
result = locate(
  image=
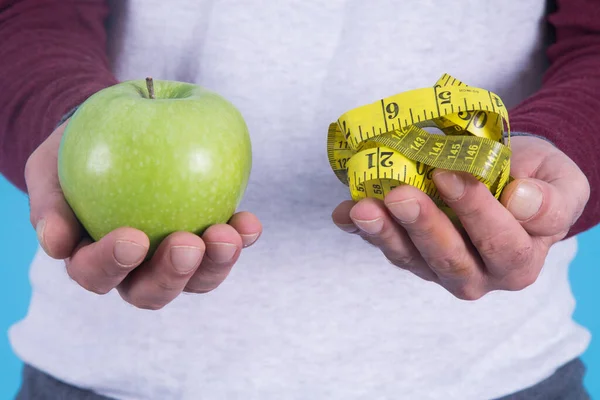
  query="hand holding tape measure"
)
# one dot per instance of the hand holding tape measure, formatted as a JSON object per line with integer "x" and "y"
{"x": 379, "y": 146}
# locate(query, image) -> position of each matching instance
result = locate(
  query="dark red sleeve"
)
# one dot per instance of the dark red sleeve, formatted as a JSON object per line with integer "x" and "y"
{"x": 566, "y": 110}
{"x": 52, "y": 57}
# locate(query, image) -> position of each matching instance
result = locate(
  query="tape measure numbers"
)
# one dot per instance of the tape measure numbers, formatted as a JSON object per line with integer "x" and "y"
{"x": 379, "y": 146}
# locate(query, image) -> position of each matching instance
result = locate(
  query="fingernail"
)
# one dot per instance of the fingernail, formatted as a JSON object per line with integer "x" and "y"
{"x": 185, "y": 258}
{"x": 128, "y": 253}
{"x": 526, "y": 201}
{"x": 249, "y": 238}
{"x": 407, "y": 211}
{"x": 39, "y": 231}
{"x": 350, "y": 228}
{"x": 371, "y": 227}
{"x": 220, "y": 252}
{"x": 450, "y": 185}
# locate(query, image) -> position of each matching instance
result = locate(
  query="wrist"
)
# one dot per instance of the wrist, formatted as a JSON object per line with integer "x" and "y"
{"x": 526, "y": 134}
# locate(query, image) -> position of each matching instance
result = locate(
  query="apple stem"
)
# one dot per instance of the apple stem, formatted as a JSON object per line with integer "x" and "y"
{"x": 150, "y": 86}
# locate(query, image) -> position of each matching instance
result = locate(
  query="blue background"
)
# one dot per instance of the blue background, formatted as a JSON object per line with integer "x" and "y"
{"x": 18, "y": 243}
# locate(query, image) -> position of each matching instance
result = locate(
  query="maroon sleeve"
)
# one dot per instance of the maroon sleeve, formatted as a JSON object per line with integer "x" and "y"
{"x": 566, "y": 110}
{"x": 52, "y": 57}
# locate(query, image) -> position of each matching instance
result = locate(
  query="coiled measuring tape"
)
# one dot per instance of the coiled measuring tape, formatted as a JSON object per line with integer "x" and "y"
{"x": 379, "y": 146}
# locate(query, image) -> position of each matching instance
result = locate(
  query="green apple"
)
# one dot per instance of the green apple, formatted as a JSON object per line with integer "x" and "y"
{"x": 160, "y": 156}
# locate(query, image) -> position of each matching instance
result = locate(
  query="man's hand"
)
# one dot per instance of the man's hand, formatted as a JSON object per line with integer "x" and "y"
{"x": 504, "y": 244}
{"x": 182, "y": 262}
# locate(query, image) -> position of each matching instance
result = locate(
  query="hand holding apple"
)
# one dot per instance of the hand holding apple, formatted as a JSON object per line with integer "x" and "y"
{"x": 159, "y": 156}
{"x": 187, "y": 243}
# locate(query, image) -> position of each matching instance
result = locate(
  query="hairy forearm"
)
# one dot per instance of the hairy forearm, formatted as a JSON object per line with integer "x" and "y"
{"x": 52, "y": 57}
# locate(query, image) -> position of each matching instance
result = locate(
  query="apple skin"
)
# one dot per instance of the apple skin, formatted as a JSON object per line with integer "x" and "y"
{"x": 179, "y": 162}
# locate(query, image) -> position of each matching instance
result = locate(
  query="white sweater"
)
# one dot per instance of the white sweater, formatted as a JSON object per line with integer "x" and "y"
{"x": 310, "y": 312}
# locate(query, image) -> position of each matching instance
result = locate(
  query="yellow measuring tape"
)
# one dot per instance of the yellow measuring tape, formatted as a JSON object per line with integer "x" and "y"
{"x": 379, "y": 146}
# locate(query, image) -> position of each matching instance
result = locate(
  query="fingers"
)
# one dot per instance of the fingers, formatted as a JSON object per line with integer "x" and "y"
{"x": 504, "y": 243}
{"x": 341, "y": 217}
{"x": 57, "y": 227}
{"x": 186, "y": 262}
{"x": 539, "y": 206}
{"x": 58, "y": 230}
{"x": 375, "y": 225}
{"x": 223, "y": 246}
{"x": 509, "y": 253}
{"x": 547, "y": 207}
{"x": 437, "y": 240}
{"x": 101, "y": 266}
{"x": 157, "y": 282}
{"x": 565, "y": 190}
{"x": 248, "y": 226}
{"x": 182, "y": 262}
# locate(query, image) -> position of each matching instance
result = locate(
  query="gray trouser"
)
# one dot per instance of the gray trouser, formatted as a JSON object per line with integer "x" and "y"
{"x": 566, "y": 383}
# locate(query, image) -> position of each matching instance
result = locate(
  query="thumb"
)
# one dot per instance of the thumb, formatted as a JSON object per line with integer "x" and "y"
{"x": 540, "y": 207}
{"x": 56, "y": 226}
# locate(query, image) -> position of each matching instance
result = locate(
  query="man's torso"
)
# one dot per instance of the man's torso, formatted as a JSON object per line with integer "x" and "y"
{"x": 311, "y": 312}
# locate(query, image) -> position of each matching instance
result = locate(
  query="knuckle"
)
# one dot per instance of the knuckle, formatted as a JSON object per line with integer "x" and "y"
{"x": 90, "y": 286}
{"x": 500, "y": 246}
{"x": 467, "y": 292}
{"x": 167, "y": 285}
{"x": 85, "y": 282}
{"x": 143, "y": 302}
{"x": 112, "y": 270}
{"x": 404, "y": 261}
{"x": 385, "y": 235}
{"x": 586, "y": 190}
{"x": 556, "y": 219}
{"x": 489, "y": 246}
{"x": 580, "y": 183}
{"x": 124, "y": 291}
{"x": 148, "y": 306}
{"x": 558, "y": 237}
{"x": 200, "y": 290}
{"x": 424, "y": 274}
{"x": 468, "y": 209}
{"x": 520, "y": 257}
{"x": 423, "y": 232}
{"x": 203, "y": 283}
{"x": 518, "y": 281}
{"x": 98, "y": 290}
{"x": 582, "y": 200}
{"x": 576, "y": 215}
{"x": 453, "y": 263}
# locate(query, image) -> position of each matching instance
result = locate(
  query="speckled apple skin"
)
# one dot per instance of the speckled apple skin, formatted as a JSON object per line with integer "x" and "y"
{"x": 180, "y": 162}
